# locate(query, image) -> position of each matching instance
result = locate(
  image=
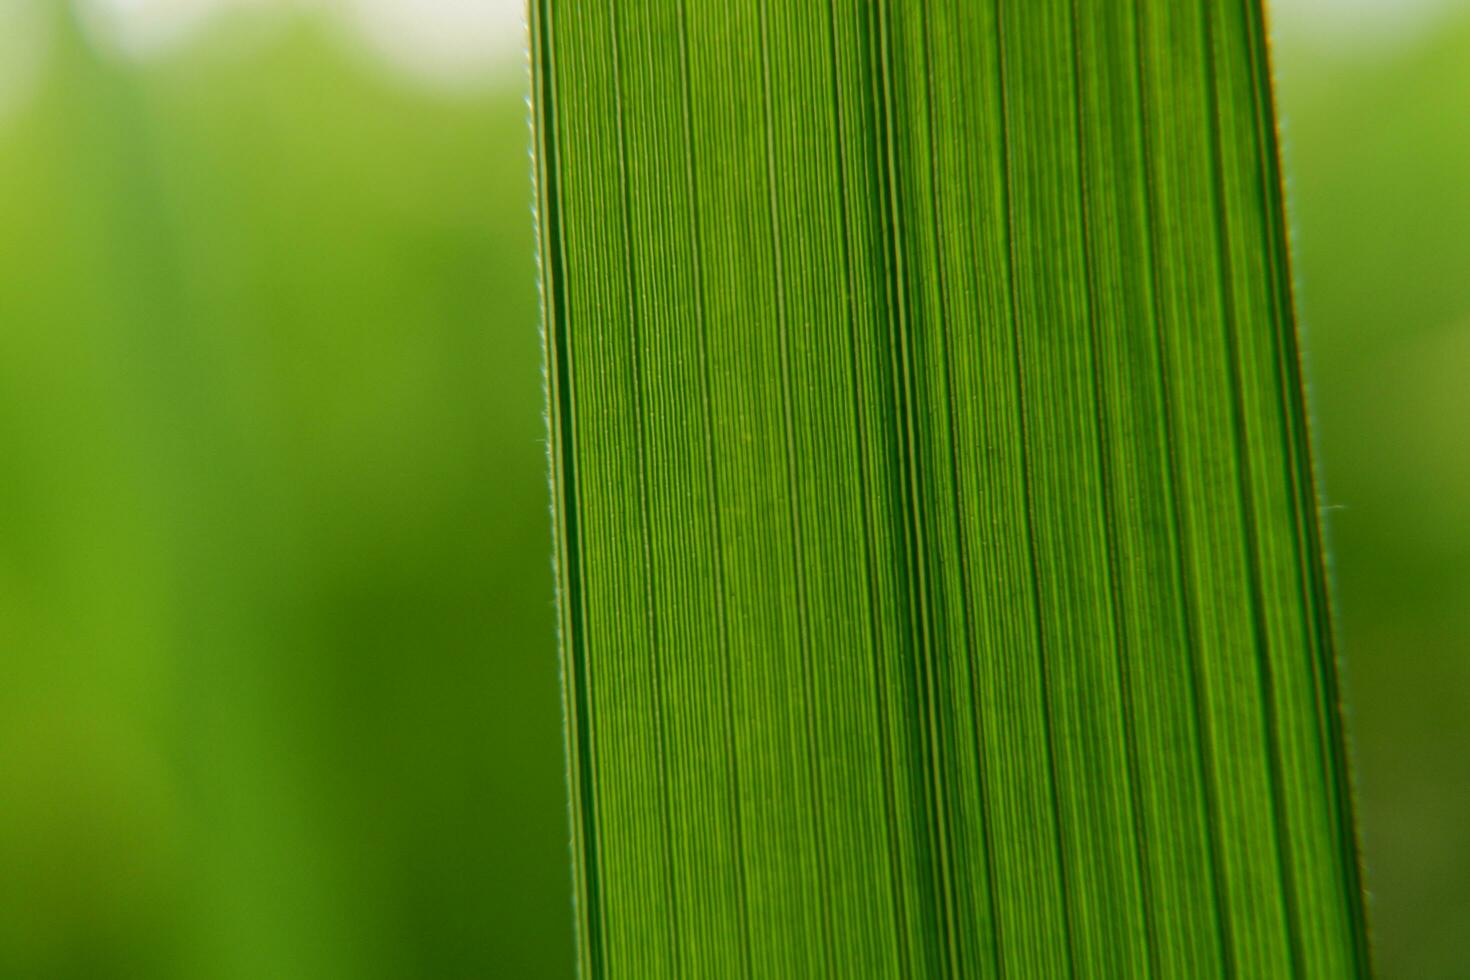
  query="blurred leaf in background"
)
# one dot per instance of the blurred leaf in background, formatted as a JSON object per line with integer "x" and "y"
{"x": 277, "y": 681}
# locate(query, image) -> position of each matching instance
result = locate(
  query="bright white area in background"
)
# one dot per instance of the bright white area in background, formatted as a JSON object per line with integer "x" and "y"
{"x": 139, "y": 27}
{"x": 1357, "y": 21}
{"x": 446, "y": 42}
{"x": 442, "y": 40}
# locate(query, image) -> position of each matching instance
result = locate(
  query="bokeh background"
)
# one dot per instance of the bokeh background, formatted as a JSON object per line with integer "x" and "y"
{"x": 278, "y": 691}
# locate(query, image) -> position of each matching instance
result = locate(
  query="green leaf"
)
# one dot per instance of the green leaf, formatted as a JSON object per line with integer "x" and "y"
{"x": 941, "y": 582}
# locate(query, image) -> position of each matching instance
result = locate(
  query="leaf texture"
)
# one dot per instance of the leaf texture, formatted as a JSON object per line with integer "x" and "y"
{"x": 940, "y": 577}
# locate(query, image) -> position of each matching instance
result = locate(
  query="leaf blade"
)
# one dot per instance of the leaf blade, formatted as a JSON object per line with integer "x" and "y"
{"x": 937, "y": 487}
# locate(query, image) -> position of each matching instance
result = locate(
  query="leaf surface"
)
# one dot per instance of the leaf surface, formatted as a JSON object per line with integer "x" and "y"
{"x": 941, "y": 583}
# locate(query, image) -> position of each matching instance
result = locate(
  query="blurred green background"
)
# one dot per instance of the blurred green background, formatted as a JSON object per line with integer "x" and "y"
{"x": 278, "y": 693}
{"x": 277, "y": 680}
{"x": 1377, "y": 146}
